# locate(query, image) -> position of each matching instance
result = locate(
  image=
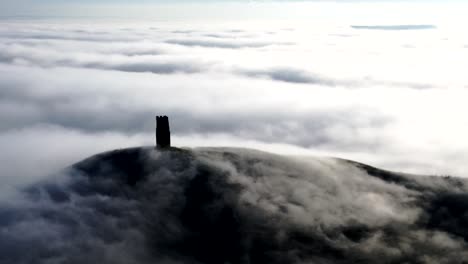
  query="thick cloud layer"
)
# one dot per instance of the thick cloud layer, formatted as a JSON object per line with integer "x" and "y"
{"x": 283, "y": 87}
{"x": 233, "y": 206}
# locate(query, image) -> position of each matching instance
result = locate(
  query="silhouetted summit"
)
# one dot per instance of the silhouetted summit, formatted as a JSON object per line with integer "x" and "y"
{"x": 237, "y": 206}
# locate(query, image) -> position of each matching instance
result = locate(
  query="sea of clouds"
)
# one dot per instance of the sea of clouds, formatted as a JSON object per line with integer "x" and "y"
{"x": 387, "y": 92}
{"x": 392, "y": 97}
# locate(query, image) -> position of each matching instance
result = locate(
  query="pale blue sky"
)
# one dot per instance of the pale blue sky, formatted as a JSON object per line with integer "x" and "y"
{"x": 216, "y": 9}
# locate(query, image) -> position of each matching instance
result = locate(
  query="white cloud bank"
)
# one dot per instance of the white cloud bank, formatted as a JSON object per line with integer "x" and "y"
{"x": 395, "y": 99}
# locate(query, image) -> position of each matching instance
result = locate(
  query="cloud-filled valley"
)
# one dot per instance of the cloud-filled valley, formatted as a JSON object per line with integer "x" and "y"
{"x": 286, "y": 89}
{"x": 265, "y": 85}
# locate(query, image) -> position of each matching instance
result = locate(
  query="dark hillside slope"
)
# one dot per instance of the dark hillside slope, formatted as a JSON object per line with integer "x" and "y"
{"x": 224, "y": 205}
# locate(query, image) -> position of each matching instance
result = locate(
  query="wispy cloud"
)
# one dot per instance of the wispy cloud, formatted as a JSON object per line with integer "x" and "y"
{"x": 229, "y": 44}
{"x": 395, "y": 27}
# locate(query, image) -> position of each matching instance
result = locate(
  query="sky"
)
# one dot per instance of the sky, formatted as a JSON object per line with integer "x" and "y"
{"x": 232, "y": 10}
{"x": 379, "y": 82}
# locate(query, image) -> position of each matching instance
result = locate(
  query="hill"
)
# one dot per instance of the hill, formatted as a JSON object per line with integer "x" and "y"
{"x": 225, "y": 205}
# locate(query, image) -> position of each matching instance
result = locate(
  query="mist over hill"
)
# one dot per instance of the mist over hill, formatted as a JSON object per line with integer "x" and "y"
{"x": 376, "y": 82}
{"x": 383, "y": 96}
{"x": 226, "y": 205}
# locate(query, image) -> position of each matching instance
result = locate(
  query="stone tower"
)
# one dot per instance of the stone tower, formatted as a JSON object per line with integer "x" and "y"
{"x": 163, "y": 133}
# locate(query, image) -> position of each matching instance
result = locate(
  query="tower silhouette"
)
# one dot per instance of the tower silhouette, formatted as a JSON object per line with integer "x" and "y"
{"x": 163, "y": 133}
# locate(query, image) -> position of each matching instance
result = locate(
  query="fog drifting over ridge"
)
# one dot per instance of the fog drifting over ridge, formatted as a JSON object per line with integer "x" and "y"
{"x": 225, "y": 205}
{"x": 394, "y": 99}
